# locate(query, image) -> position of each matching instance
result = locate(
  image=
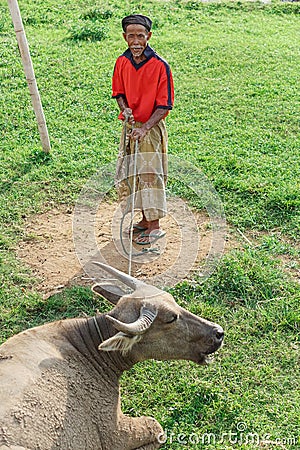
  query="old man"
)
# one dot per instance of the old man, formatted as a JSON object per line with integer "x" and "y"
{"x": 143, "y": 87}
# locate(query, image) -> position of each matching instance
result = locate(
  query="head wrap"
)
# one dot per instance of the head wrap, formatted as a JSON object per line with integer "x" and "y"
{"x": 138, "y": 19}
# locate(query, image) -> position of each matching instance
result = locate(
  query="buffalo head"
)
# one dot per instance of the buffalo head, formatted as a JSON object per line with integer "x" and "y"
{"x": 149, "y": 324}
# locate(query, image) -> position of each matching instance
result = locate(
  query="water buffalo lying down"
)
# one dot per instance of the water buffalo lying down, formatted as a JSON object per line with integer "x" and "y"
{"x": 59, "y": 383}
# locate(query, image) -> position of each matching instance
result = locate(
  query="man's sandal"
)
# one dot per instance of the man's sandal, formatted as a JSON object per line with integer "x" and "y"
{"x": 149, "y": 238}
{"x": 136, "y": 229}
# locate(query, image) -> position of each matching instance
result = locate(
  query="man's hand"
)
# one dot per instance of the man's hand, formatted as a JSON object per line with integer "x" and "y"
{"x": 138, "y": 134}
{"x": 127, "y": 113}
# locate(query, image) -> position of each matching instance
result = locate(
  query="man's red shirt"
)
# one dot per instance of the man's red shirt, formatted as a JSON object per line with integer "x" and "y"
{"x": 146, "y": 86}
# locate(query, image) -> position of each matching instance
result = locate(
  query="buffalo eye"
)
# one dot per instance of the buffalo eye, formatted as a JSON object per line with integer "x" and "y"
{"x": 173, "y": 319}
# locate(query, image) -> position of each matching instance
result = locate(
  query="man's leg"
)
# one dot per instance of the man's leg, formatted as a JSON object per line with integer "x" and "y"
{"x": 148, "y": 225}
{"x": 151, "y": 234}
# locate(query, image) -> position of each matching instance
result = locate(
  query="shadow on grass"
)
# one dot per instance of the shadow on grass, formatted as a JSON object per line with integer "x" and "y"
{"x": 37, "y": 157}
{"x": 30, "y": 310}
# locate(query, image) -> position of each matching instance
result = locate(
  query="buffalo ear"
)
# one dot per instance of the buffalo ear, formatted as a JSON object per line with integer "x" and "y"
{"x": 110, "y": 292}
{"x": 120, "y": 342}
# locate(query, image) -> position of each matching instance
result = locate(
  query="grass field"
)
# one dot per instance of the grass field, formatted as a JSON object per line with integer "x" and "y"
{"x": 236, "y": 118}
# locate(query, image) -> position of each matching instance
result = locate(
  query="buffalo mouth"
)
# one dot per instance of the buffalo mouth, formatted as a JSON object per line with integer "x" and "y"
{"x": 204, "y": 359}
{"x": 207, "y": 357}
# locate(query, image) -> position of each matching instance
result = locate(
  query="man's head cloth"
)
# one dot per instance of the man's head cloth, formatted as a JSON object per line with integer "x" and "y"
{"x": 137, "y": 19}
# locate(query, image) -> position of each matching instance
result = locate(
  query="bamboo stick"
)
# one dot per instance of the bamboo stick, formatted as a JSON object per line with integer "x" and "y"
{"x": 29, "y": 73}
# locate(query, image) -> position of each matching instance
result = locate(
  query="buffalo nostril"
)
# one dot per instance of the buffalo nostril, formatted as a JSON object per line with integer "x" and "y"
{"x": 220, "y": 334}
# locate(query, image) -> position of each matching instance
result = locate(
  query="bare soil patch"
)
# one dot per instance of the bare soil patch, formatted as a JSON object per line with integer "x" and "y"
{"x": 57, "y": 259}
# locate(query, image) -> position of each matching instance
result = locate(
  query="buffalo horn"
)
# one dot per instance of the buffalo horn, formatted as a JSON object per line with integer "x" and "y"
{"x": 140, "y": 326}
{"x": 145, "y": 289}
{"x": 126, "y": 279}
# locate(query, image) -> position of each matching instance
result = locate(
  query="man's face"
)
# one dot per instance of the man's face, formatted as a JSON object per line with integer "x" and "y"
{"x": 137, "y": 38}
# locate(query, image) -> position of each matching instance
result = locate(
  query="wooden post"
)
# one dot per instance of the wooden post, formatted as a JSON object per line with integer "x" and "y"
{"x": 29, "y": 73}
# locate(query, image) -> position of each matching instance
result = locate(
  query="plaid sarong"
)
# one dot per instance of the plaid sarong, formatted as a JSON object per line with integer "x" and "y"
{"x": 151, "y": 171}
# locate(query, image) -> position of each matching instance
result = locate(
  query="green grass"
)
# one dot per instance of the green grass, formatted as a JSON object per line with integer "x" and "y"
{"x": 236, "y": 119}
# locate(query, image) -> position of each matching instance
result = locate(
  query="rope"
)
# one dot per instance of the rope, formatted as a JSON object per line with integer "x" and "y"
{"x": 136, "y": 148}
{"x": 130, "y": 254}
{"x": 98, "y": 329}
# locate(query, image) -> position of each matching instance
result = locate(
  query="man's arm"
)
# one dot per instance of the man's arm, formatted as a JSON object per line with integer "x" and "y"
{"x": 138, "y": 134}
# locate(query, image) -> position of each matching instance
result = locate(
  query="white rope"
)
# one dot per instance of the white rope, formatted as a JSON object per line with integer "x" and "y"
{"x": 136, "y": 147}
